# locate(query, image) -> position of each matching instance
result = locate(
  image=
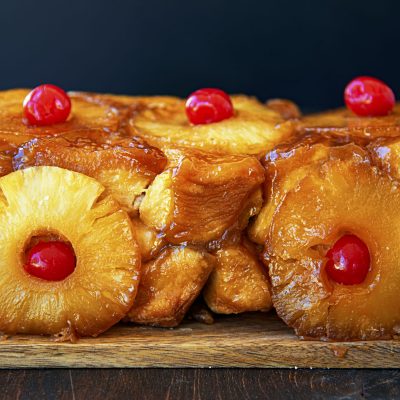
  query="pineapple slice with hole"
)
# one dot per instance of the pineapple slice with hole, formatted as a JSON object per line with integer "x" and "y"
{"x": 53, "y": 201}
{"x": 238, "y": 283}
{"x": 124, "y": 166}
{"x": 344, "y": 193}
{"x": 169, "y": 285}
{"x": 202, "y": 197}
{"x": 254, "y": 129}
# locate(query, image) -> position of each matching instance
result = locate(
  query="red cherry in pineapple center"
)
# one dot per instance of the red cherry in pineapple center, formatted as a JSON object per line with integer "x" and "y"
{"x": 205, "y": 106}
{"x": 47, "y": 105}
{"x": 51, "y": 261}
{"x": 367, "y": 96}
{"x": 348, "y": 261}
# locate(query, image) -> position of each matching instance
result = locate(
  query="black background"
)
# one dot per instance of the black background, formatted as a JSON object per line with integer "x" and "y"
{"x": 303, "y": 50}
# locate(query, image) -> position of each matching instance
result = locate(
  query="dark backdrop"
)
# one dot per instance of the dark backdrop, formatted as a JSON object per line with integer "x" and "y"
{"x": 303, "y": 50}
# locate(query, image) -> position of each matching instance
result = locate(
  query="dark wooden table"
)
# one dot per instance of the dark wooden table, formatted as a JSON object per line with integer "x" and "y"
{"x": 206, "y": 384}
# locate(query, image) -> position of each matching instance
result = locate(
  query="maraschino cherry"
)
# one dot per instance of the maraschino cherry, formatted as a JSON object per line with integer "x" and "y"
{"x": 47, "y": 105}
{"x": 367, "y": 96}
{"x": 205, "y": 106}
{"x": 51, "y": 261}
{"x": 348, "y": 261}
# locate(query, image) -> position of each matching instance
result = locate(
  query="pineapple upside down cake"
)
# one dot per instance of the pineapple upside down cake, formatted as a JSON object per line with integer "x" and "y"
{"x": 130, "y": 208}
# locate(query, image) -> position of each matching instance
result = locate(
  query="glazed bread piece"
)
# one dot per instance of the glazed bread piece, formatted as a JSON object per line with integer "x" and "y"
{"x": 238, "y": 282}
{"x": 201, "y": 196}
{"x": 205, "y": 197}
{"x": 339, "y": 176}
{"x": 169, "y": 285}
{"x": 197, "y": 191}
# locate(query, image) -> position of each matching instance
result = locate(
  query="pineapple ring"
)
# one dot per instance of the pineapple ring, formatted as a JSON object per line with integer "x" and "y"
{"x": 344, "y": 123}
{"x": 103, "y": 286}
{"x": 338, "y": 195}
{"x": 254, "y": 129}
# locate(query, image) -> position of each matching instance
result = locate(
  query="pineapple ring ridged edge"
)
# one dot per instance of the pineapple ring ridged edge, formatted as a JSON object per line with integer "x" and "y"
{"x": 285, "y": 256}
{"x": 101, "y": 289}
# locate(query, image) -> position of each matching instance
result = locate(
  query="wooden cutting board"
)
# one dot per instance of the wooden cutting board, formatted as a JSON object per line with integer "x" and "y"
{"x": 253, "y": 340}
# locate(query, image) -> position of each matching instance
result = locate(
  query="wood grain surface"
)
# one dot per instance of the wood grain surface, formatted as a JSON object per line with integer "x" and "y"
{"x": 205, "y": 384}
{"x": 253, "y": 340}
